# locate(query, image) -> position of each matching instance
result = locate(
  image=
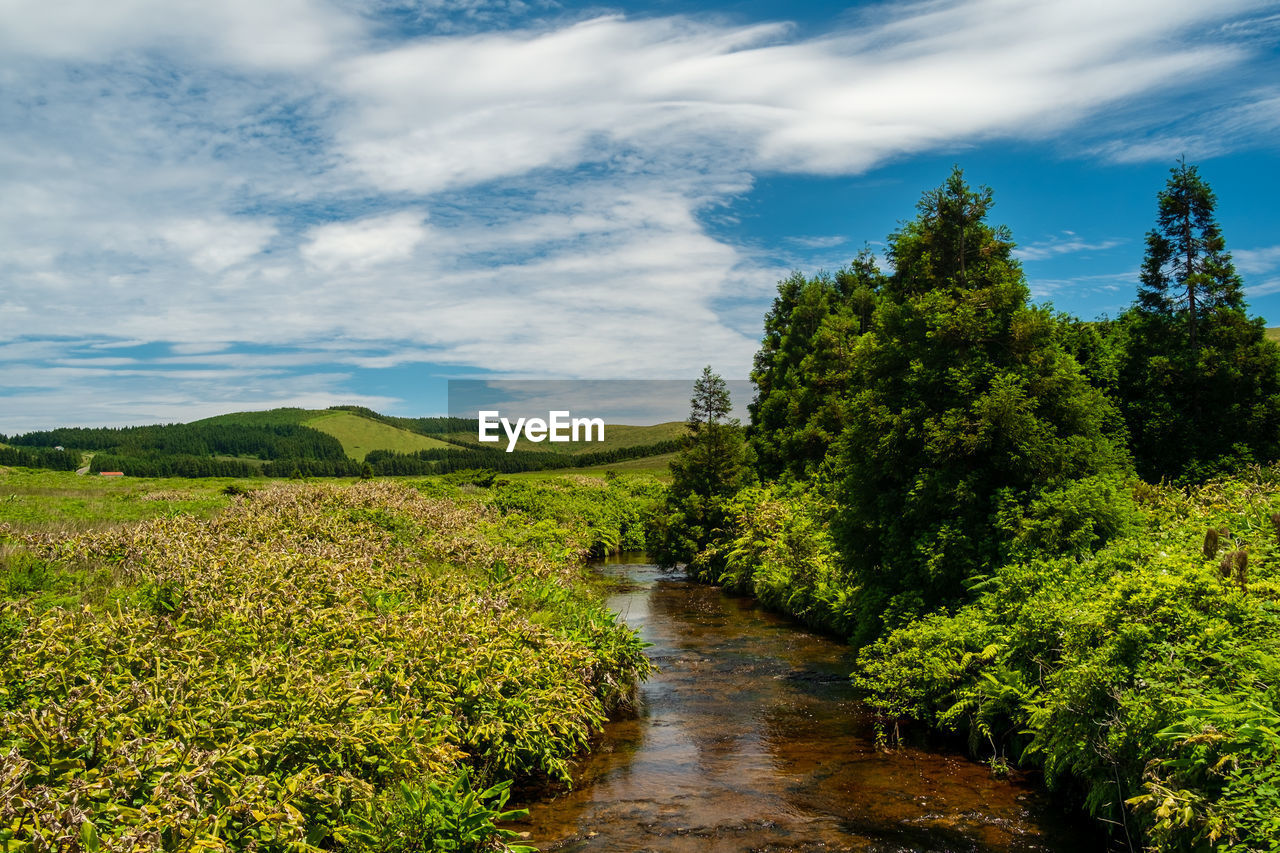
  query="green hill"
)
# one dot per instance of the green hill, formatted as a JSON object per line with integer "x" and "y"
{"x": 271, "y": 417}
{"x": 359, "y": 435}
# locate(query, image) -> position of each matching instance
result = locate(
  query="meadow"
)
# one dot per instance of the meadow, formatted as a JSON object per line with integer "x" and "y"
{"x": 204, "y": 665}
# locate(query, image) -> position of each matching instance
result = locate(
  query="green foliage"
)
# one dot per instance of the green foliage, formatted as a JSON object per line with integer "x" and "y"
{"x": 607, "y": 516}
{"x": 777, "y": 548}
{"x": 462, "y": 456}
{"x": 1074, "y": 519}
{"x": 710, "y": 468}
{"x": 313, "y": 665}
{"x": 41, "y": 457}
{"x": 275, "y": 441}
{"x": 801, "y": 372}
{"x": 1187, "y": 269}
{"x": 1204, "y": 411}
{"x": 1199, "y": 382}
{"x": 1134, "y": 672}
{"x": 966, "y": 404}
{"x": 441, "y": 818}
{"x": 953, "y": 491}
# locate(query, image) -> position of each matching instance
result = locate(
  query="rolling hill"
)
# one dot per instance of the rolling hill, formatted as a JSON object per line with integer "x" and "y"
{"x": 359, "y": 435}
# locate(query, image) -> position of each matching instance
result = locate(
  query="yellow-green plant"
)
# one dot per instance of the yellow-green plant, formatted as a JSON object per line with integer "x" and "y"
{"x": 260, "y": 679}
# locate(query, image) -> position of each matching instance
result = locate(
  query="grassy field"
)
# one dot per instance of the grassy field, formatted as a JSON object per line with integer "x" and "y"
{"x": 616, "y": 436}
{"x": 65, "y": 501}
{"x": 360, "y": 435}
{"x": 1273, "y": 334}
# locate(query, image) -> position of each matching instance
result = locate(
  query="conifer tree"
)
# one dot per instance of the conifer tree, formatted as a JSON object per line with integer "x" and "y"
{"x": 1187, "y": 272}
{"x": 1199, "y": 384}
{"x": 710, "y": 468}
{"x": 966, "y": 407}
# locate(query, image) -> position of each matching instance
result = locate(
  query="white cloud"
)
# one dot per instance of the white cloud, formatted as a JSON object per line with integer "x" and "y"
{"x": 1068, "y": 243}
{"x": 1119, "y": 284}
{"x": 200, "y": 174}
{"x": 276, "y": 35}
{"x": 934, "y": 74}
{"x": 1263, "y": 288}
{"x": 364, "y": 243}
{"x": 213, "y": 245}
{"x": 1246, "y": 120}
{"x": 820, "y": 242}
{"x": 1257, "y": 261}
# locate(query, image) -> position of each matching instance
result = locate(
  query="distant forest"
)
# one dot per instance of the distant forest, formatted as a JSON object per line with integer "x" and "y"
{"x": 219, "y": 447}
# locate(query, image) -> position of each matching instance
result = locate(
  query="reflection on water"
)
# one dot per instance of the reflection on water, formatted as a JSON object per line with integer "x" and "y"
{"x": 749, "y": 739}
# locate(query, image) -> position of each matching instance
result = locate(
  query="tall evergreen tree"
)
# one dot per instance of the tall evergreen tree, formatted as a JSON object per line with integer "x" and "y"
{"x": 710, "y": 468}
{"x": 1199, "y": 384}
{"x": 1187, "y": 272}
{"x": 966, "y": 407}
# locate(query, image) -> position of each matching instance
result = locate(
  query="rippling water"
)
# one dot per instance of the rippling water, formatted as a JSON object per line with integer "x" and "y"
{"x": 749, "y": 739}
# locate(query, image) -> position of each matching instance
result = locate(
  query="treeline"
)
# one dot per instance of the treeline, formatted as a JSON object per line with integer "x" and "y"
{"x": 440, "y": 460}
{"x": 40, "y": 457}
{"x": 1002, "y": 507}
{"x": 176, "y": 465}
{"x": 436, "y": 427}
{"x": 279, "y": 441}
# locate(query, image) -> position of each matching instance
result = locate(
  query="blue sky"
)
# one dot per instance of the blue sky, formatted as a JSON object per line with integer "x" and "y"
{"x": 211, "y": 207}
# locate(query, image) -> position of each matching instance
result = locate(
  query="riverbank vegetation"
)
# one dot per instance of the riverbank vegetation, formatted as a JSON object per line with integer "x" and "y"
{"x": 314, "y": 667}
{"x": 1056, "y": 537}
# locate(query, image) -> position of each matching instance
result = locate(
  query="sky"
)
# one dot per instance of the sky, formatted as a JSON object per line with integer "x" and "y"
{"x": 209, "y": 207}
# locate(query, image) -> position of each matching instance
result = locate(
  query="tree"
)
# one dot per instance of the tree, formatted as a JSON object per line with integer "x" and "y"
{"x": 965, "y": 406}
{"x": 710, "y": 402}
{"x": 801, "y": 370}
{"x": 1187, "y": 271}
{"x": 709, "y": 470}
{"x": 1199, "y": 384}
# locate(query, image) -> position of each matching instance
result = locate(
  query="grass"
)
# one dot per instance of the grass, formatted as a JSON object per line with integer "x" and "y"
{"x": 1273, "y": 334}
{"x": 616, "y": 436}
{"x": 270, "y": 417}
{"x": 64, "y": 501}
{"x": 656, "y": 466}
{"x": 359, "y": 435}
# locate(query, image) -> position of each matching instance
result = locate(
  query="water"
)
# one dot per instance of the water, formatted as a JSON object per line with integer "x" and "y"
{"x": 749, "y": 739}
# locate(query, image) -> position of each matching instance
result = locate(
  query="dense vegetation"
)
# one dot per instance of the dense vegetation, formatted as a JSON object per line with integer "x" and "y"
{"x": 52, "y": 458}
{"x": 1056, "y": 537}
{"x": 358, "y": 668}
{"x": 279, "y": 441}
{"x": 466, "y": 456}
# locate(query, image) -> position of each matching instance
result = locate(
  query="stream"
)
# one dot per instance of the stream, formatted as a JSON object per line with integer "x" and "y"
{"x": 750, "y": 739}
